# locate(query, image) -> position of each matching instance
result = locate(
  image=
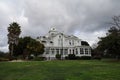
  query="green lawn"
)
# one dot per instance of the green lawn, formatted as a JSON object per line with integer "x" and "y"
{"x": 60, "y": 70}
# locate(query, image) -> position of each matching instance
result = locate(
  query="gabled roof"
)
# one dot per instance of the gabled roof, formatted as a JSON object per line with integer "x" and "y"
{"x": 50, "y": 36}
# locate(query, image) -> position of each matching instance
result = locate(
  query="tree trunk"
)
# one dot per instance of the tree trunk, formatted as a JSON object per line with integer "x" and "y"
{"x": 11, "y": 52}
{"x": 117, "y": 57}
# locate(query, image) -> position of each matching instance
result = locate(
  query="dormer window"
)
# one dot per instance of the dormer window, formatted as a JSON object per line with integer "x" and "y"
{"x": 44, "y": 37}
{"x": 59, "y": 36}
{"x": 52, "y": 34}
{"x": 70, "y": 43}
{"x": 37, "y": 37}
{"x": 53, "y": 29}
{"x": 51, "y": 42}
{"x": 43, "y": 41}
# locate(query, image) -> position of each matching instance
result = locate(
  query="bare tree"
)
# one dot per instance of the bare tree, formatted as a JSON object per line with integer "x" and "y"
{"x": 116, "y": 22}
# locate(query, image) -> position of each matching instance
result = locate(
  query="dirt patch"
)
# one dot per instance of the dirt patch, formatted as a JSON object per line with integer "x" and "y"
{"x": 17, "y": 61}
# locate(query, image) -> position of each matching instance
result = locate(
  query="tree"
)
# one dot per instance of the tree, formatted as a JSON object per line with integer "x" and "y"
{"x": 13, "y": 36}
{"x": 110, "y": 44}
{"x": 28, "y": 46}
{"x": 116, "y": 22}
{"x": 71, "y": 56}
{"x": 20, "y": 48}
{"x": 2, "y": 54}
{"x": 35, "y": 47}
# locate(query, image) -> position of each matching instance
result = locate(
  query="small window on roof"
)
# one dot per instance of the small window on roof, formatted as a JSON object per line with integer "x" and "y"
{"x": 43, "y": 41}
{"x": 51, "y": 41}
{"x": 59, "y": 36}
{"x": 37, "y": 37}
{"x": 44, "y": 37}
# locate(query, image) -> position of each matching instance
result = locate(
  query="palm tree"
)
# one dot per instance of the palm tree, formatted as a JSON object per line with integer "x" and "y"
{"x": 13, "y": 36}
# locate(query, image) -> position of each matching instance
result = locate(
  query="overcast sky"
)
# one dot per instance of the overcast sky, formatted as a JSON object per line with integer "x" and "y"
{"x": 86, "y": 19}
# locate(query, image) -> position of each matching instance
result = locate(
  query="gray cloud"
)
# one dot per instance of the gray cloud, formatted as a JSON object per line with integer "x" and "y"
{"x": 82, "y": 18}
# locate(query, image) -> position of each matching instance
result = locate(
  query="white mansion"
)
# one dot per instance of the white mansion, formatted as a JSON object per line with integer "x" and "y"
{"x": 58, "y": 43}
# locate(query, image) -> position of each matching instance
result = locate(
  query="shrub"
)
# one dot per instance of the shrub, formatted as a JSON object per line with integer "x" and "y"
{"x": 30, "y": 57}
{"x": 58, "y": 56}
{"x": 4, "y": 59}
{"x": 78, "y": 58}
{"x": 66, "y": 57}
{"x": 85, "y": 57}
{"x": 39, "y": 58}
{"x": 74, "y": 57}
{"x": 71, "y": 57}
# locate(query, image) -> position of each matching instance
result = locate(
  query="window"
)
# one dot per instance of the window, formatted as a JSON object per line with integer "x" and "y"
{"x": 52, "y": 51}
{"x": 69, "y": 43}
{"x": 57, "y": 51}
{"x": 51, "y": 42}
{"x": 61, "y": 51}
{"x": 43, "y": 41}
{"x": 72, "y": 42}
{"x": 73, "y": 51}
{"x": 86, "y": 51}
{"x": 66, "y": 51}
{"x": 81, "y": 51}
{"x": 59, "y": 36}
{"x": 70, "y": 51}
{"x": 60, "y": 42}
{"x": 76, "y": 51}
{"x": 47, "y": 50}
{"x": 44, "y": 37}
{"x": 52, "y": 34}
{"x": 37, "y": 37}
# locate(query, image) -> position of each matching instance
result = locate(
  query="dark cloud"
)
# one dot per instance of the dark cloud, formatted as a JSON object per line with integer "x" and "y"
{"x": 82, "y": 18}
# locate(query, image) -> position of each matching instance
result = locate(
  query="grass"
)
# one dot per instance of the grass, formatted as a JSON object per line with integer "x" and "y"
{"x": 60, "y": 70}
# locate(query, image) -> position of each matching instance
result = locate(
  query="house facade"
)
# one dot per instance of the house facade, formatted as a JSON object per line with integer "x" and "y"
{"x": 59, "y": 43}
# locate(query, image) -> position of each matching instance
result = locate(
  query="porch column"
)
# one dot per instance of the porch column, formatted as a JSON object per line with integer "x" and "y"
{"x": 55, "y": 51}
{"x": 59, "y": 50}
{"x": 78, "y": 51}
